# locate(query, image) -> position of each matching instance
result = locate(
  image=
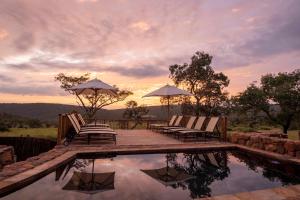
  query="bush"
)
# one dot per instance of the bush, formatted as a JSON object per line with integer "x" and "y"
{"x": 265, "y": 128}
{"x": 3, "y": 127}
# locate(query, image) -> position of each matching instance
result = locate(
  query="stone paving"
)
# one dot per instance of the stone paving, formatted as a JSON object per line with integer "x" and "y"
{"x": 19, "y": 174}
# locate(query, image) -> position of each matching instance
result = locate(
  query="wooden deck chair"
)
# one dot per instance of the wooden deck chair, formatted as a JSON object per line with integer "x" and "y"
{"x": 84, "y": 128}
{"x": 188, "y": 126}
{"x": 197, "y": 127}
{"x": 85, "y": 134}
{"x": 171, "y": 123}
{"x": 195, "y": 132}
{"x": 83, "y": 123}
{"x": 176, "y": 124}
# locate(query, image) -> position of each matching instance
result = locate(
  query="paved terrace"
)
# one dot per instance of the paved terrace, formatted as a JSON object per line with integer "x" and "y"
{"x": 19, "y": 174}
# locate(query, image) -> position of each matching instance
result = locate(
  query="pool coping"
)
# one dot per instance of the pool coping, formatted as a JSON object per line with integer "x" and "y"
{"x": 23, "y": 179}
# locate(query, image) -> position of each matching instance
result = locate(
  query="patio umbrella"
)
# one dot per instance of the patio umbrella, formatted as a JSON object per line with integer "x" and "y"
{"x": 91, "y": 183}
{"x": 168, "y": 91}
{"x": 94, "y": 87}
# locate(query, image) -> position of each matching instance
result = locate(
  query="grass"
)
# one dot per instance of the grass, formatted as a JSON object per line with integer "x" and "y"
{"x": 50, "y": 133}
{"x": 47, "y": 133}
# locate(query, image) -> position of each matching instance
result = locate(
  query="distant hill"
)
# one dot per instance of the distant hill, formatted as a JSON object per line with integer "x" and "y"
{"x": 49, "y": 112}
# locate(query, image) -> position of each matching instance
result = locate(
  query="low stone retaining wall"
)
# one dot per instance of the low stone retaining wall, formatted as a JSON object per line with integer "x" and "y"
{"x": 267, "y": 142}
{"x": 29, "y": 163}
{"x": 25, "y": 147}
{"x": 7, "y": 155}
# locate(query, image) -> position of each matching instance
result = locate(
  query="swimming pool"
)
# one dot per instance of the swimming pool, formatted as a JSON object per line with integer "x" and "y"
{"x": 161, "y": 176}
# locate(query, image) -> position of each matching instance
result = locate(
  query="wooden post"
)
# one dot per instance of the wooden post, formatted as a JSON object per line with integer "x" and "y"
{"x": 59, "y": 129}
{"x": 224, "y": 128}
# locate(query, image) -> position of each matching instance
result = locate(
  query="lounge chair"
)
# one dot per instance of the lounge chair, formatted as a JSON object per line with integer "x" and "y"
{"x": 175, "y": 125}
{"x": 157, "y": 126}
{"x": 87, "y": 128}
{"x": 187, "y": 127}
{"x": 83, "y": 123}
{"x": 198, "y": 125}
{"x": 197, "y": 130}
{"x": 98, "y": 133}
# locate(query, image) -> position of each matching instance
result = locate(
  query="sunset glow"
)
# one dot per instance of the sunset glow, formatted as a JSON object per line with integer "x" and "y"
{"x": 132, "y": 43}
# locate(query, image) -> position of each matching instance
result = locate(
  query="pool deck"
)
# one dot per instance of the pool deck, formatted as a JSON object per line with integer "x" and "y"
{"x": 143, "y": 141}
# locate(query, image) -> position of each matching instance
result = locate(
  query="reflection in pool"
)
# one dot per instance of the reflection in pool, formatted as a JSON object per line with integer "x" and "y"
{"x": 160, "y": 176}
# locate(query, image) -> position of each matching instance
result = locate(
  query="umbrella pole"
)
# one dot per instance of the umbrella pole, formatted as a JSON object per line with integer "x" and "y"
{"x": 93, "y": 172}
{"x": 96, "y": 94}
{"x": 168, "y": 107}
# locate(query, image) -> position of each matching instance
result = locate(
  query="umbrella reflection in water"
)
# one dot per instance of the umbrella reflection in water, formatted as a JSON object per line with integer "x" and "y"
{"x": 168, "y": 176}
{"x": 91, "y": 183}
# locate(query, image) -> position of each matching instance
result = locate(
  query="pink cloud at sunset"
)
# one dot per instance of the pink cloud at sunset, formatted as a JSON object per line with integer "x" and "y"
{"x": 131, "y": 43}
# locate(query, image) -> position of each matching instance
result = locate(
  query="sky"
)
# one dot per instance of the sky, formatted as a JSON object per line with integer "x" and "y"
{"x": 132, "y": 43}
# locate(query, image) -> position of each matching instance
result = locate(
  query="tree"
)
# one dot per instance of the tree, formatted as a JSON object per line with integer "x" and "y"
{"x": 203, "y": 82}
{"x": 278, "y": 97}
{"x": 135, "y": 112}
{"x": 185, "y": 103}
{"x": 92, "y": 102}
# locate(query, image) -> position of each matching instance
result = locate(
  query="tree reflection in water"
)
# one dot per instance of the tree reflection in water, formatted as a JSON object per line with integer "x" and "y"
{"x": 205, "y": 167}
{"x": 270, "y": 169}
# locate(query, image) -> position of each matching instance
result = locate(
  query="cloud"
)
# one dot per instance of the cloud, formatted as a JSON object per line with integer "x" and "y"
{"x": 3, "y": 34}
{"x": 50, "y": 90}
{"x": 139, "y": 72}
{"x": 140, "y": 39}
{"x": 281, "y": 34}
{"x": 4, "y": 78}
{"x": 141, "y": 25}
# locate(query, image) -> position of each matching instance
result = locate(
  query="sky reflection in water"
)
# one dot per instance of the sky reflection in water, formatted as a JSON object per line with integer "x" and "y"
{"x": 214, "y": 173}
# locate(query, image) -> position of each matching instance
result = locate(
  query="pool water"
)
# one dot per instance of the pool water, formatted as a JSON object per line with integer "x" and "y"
{"x": 161, "y": 176}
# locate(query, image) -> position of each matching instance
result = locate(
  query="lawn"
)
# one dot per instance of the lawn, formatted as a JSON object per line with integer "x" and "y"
{"x": 48, "y": 133}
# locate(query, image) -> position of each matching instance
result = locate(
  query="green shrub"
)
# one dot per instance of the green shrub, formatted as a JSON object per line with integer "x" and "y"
{"x": 265, "y": 128}
{"x": 3, "y": 127}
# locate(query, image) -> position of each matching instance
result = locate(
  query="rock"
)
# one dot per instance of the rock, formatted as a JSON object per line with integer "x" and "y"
{"x": 271, "y": 147}
{"x": 297, "y": 145}
{"x": 289, "y": 146}
{"x": 266, "y": 140}
{"x": 255, "y": 139}
{"x": 241, "y": 141}
{"x": 291, "y": 153}
{"x": 280, "y": 149}
{"x": 249, "y": 143}
{"x": 234, "y": 138}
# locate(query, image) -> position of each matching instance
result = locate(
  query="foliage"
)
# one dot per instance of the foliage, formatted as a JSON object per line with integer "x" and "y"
{"x": 14, "y": 121}
{"x": 92, "y": 102}
{"x": 135, "y": 112}
{"x": 203, "y": 82}
{"x": 3, "y": 127}
{"x": 184, "y": 101}
{"x": 197, "y": 166}
{"x": 47, "y": 133}
{"x": 282, "y": 90}
{"x": 69, "y": 81}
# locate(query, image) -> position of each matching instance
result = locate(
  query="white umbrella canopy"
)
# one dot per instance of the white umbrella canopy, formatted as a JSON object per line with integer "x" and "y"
{"x": 94, "y": 86}
{"x": 168, "y": 91}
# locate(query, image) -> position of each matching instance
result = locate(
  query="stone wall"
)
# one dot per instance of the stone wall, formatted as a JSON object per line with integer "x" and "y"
{"x": 7, "y": 155}
{"x": 268, "y": 142}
